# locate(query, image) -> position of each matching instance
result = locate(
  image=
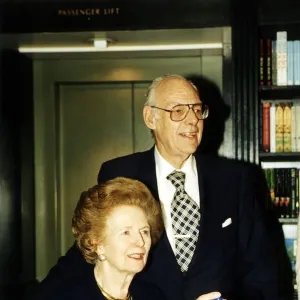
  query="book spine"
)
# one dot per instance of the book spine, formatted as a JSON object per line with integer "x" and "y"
{"x": 287, "y": 118}
{"x": 281, "y": 57}
{"x": 274, "y": 63}
{"x": 269, "y": 62}
{"x": 266, "y": 126}
{"x": 272, "y": 128}
{"x": 293, "y": 193}
{"x": 261, "y": 62}
{"x": 279, "y": 127}
{"x": 290, "y": 63}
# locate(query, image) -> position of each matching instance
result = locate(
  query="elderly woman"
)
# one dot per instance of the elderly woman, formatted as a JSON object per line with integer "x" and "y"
{"x": 115, "y": 225}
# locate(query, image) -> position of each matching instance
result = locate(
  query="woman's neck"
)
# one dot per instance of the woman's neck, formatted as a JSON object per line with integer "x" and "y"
{"x": 112, "y": 281}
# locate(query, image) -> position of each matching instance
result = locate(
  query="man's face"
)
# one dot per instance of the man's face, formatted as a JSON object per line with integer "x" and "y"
{"x": 176, "y": 140}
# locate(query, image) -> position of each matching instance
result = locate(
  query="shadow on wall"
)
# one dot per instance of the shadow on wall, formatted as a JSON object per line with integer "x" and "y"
{"x": 219, "y": 111}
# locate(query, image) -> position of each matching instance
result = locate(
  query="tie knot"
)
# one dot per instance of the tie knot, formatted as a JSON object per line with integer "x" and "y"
{"x": 177, "y": 178}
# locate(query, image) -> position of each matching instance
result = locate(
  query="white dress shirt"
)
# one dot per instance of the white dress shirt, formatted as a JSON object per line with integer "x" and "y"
{"x": 166, "y": 189}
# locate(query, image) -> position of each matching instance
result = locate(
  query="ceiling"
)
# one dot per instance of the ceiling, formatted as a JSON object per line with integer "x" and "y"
{"x": 121, "y": 38}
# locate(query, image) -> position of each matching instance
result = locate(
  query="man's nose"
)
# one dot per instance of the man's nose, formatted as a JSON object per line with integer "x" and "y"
{"x": 191, "y": 116}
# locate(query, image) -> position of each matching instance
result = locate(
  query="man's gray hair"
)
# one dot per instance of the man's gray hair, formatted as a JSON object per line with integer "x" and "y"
{"x": 150, "y": 95}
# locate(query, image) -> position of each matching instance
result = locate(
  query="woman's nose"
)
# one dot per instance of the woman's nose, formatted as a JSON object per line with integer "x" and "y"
{"x": 140, "y": 240}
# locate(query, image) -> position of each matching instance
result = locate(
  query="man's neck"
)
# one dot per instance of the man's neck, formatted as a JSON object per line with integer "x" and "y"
{"x": 176, "y": 161}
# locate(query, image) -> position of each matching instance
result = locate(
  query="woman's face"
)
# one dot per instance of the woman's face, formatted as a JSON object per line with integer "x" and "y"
{"x": 127, "y": 239}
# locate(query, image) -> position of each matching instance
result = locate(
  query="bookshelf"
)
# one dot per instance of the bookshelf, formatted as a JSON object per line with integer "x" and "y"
{"x": 279, "y": 156}
{"x": 279, "y": 124}
{"x": 279, "y": 92}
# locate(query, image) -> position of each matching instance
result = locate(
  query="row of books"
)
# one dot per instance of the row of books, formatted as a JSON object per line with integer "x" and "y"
{"x": 284, "y": 190}
{"x": 279, "y": 126}
{"x": 279, "y": 61}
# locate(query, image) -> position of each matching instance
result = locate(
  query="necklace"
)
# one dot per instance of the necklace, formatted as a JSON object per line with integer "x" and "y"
{"x": 110, "y": 297}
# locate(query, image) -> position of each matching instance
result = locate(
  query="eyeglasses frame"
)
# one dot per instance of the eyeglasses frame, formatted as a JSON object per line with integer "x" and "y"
{"x": 191, "y": 106}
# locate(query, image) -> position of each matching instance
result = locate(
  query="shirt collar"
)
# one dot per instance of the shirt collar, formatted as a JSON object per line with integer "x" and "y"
{"x": 164, "y": 168}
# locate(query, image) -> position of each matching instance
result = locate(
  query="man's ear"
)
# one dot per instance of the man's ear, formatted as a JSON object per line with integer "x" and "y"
{"x": 149, "y": 117}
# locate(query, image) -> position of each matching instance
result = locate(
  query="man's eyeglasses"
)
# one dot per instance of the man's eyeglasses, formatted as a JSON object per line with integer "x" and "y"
{"x": 180, "y": 111}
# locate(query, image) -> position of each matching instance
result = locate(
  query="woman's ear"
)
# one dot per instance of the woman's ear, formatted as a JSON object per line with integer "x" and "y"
{"x": 149, "y": 117}
{"x": 101, "y": 253}
{"x": 100, "y": 249}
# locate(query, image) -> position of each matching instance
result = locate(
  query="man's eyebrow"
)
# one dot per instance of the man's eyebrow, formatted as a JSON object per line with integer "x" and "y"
{"x": 178, "y": 103}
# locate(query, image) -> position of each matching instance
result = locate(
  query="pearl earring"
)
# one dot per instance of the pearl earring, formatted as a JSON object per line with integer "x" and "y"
{"x": 102, "y": 257}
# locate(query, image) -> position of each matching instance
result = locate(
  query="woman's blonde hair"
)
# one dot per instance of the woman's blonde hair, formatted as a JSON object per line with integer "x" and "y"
{"x": 94, "y": 207}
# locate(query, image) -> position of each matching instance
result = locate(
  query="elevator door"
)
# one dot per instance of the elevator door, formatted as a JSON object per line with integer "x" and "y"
{"x": 96, "y": 122}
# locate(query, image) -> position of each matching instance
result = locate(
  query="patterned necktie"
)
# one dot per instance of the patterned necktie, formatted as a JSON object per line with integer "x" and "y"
{"x": 185, "y": 221}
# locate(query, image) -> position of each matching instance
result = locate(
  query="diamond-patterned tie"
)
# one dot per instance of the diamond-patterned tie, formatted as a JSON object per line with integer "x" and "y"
{"x": 185, "y": 216}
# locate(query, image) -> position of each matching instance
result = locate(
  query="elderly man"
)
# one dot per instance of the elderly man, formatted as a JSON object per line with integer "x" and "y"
{"x": 216, "y": 240}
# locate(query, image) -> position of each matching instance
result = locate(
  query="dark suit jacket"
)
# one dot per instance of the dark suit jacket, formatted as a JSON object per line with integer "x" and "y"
{"x": 84, "y": 287}
{"x": 237, "y": 260}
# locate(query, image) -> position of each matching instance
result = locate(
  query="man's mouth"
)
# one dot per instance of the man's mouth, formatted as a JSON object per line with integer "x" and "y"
{"x": 189, "y": 134}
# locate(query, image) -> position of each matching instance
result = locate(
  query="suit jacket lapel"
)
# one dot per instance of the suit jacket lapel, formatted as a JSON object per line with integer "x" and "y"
{"x": 147, "y": 172}
{"x": 207, "y": 243}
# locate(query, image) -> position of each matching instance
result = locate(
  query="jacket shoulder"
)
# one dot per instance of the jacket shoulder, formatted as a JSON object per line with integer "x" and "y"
{"x": 225, "y": 163}
{"x": 127, "y": 159}
{"x": 125, "y": 166}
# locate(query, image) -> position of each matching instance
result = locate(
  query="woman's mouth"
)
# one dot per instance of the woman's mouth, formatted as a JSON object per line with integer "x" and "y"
{"x": 137, "y": 256}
